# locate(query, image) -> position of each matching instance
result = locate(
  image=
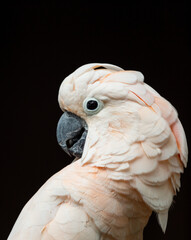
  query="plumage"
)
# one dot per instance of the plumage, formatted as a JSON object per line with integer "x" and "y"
{"x": 134, "y": 153}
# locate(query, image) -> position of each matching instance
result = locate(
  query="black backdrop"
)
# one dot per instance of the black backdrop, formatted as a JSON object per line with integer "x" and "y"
{"x": 42, "y": 43}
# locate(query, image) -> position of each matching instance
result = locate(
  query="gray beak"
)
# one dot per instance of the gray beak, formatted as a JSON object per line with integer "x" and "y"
{"x": 71, "y": 134}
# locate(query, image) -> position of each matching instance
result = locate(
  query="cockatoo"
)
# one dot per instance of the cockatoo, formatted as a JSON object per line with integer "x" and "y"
{"x": 130, "y": 150}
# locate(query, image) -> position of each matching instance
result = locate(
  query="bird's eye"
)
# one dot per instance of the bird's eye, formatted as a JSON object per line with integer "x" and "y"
{"x": 92, "y": 106}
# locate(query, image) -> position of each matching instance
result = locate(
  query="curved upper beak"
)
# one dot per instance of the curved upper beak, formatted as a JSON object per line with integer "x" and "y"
{"x": 71, "y": 134}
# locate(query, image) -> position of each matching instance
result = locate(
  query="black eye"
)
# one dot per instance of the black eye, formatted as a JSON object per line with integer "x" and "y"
{"x": 92, "y": 104}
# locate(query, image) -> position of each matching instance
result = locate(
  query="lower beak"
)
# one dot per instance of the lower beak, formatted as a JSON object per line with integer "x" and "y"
{"x": 71, "y": 134}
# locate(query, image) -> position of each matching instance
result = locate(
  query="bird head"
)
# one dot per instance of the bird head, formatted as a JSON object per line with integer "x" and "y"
{"x": 99, "y": 99}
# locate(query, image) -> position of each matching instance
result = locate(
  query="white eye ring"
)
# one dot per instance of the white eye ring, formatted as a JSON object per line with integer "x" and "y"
{"x": 92, "y": 106}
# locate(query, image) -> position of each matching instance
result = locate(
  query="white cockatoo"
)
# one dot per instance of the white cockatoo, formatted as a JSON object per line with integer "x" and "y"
{"x": 130, "y": 150}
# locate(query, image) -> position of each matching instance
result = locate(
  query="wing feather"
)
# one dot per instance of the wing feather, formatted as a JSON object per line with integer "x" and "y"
{"x": 70, "y": 222}
{"x": 164, "y": 144}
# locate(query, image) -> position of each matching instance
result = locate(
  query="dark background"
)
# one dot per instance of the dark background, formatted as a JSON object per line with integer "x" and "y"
{"x": 42, "y": 43}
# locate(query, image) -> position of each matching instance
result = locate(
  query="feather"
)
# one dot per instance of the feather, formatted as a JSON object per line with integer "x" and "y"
{"x": 179, "y": 134}
{"x": 158, "y": 197}
{"x": 126, "y": 77}
{"x": 159, "y": 176}
{"x": 143, "y": 165}
{"x": 163, "y": 219}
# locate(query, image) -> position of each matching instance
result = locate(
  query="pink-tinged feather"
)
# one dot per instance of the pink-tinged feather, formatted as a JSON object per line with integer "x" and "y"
{"x": 179, "y": 134}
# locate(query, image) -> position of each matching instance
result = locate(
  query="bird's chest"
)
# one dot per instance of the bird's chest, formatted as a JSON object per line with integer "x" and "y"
{"x": 115, "y": 209}
{"x": 117, "y": 215}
